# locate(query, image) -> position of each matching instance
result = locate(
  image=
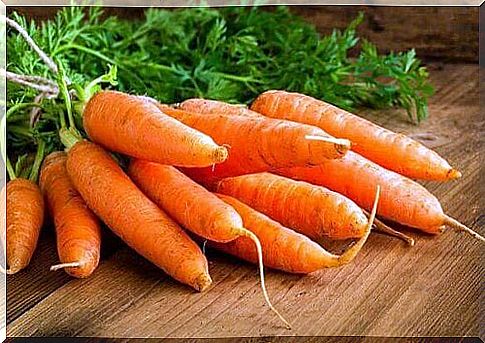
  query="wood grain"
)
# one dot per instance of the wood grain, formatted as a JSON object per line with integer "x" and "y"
{"x": 433, "y": 289}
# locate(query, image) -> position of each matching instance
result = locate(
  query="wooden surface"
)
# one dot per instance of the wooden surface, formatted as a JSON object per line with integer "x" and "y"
{"x": 444, "y": 33}
{"x": 432, "y": 289}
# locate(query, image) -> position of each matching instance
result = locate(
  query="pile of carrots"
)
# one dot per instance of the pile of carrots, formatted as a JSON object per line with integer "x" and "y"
{"x": 263, "y": 183}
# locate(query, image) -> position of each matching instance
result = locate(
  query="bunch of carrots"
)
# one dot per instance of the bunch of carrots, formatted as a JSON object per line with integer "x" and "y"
{"x": 263, "y": 183}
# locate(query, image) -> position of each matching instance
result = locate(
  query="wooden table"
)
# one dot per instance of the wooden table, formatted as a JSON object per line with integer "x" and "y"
{"x": 432, "y": 289}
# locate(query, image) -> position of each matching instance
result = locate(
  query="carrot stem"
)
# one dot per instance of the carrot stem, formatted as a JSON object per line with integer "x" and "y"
{"x": 10, "y": 170}
{"x": 455, "y": 224}
{"x": 66, "y": 265}
{"x": 64, "y": 92}
{"x": 259, "y": 250}
{"x": 383, "y": 228}
{"x": 350, "y": 254}
{"x": 39, "y": 157}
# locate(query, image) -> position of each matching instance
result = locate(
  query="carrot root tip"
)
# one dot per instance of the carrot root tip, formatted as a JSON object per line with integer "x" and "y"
{"x": 66, "y": 265}
{"x": 454, "y": 174}
{"x": 455, "y": 224}
{"x": 255, "y": 239}
{"x": 203, "y": 282}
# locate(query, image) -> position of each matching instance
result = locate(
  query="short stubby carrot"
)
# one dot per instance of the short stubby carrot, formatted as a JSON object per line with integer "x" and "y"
{"x": 283, "y": 248}
{"x": 110, "y": 193}
{"x": 311, "y": 210}
{"x": 261, "y": 144}
{"x": 391, "y": 150}
{"x": 78, "y": 230}
{"x": 205, "y": 106}
{"x": 195, "y": 208}
{"x": 132, "y": 126}
{"x": 403, "y": 200}
{"x": 25, "y": 217}
{"x": 190, "y": 204}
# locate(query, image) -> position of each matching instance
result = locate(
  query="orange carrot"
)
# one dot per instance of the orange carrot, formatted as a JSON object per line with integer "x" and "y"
{"x": 283, "y": 248}
{"x": 204, "y": 106}
{"x": 391, "y": 150}
{"x": 193, "y": 207}
{"x": 311, "y": 210}
{"x": 110, "y": 194}
{"x": 260, "y": 144}
{"x": 130, "y": 125}
{"x": 403, "y": 200}
{"x": 77, "y": 228}
{"x": 25, "y": 216}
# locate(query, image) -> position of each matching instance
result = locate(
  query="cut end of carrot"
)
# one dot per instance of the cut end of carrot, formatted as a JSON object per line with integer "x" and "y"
{"x": 454, "y": 174}
{"x": 203, "y": 282}
{"x": 220, "y": 154}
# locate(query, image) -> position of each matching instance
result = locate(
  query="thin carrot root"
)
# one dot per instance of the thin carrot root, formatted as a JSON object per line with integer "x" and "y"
{"x": 455, "y": 224}
{"x": 259, "y": 249}
{"x": 383, "y": 228}
{"x": 350, "y": 254}
{"x": 77, "y": 264}
{"x": 342, "y": 144}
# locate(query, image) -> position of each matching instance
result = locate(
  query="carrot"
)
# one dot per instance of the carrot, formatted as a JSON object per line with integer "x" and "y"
{"x": 285, "y": 249}
{"x": 313, "y": 211}
{"x": 77, "y": 228}
{"x": 389, "y": 149}
{"x": 110, "y": 194}
{"x": 24, "y": 214}
{"x": 194, "y": 207}
{"x": 132, "y": 126}
{"x": 260, "y": 144}
{"x": 205, "y": 106}
{"x": 403, "y": 200}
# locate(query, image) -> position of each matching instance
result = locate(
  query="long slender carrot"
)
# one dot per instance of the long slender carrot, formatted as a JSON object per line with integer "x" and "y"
{"x": 311, "y": 210}
{"x": 403, "y": 200}
{"x": 285, "y": 249}
{"x": 77, "y": 228}
{"x": 261, "y": 144}
{"x": 110, "y": 194}
{"x": 130, "y": 125}
{"x": 194, "y": 208}
{"x": 389, "y": 149}
{"x": 25, "y": 214}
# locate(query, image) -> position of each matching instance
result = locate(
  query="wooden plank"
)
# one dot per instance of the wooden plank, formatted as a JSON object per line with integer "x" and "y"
{"x": 433, "y": 289}
{"x": 444, "y": 33}
{"x": 30, "y": 286}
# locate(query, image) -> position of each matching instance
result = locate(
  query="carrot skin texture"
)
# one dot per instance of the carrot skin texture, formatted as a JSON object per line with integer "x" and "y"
{"x": 110, "y": 194}
{"x": 78, "y": 230}
{"x": 402, "y": 200}
{"x": 258, "y": 143}
{"x": 205, "y": 106}
{"x": 391, "y": 150}
{"x": 132, "y": 126}
{"x": 311, "y": 210}
{"x": 25, "y": 216}
{"x": 283, "y": 248}
{"x": 190, "y": 204}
